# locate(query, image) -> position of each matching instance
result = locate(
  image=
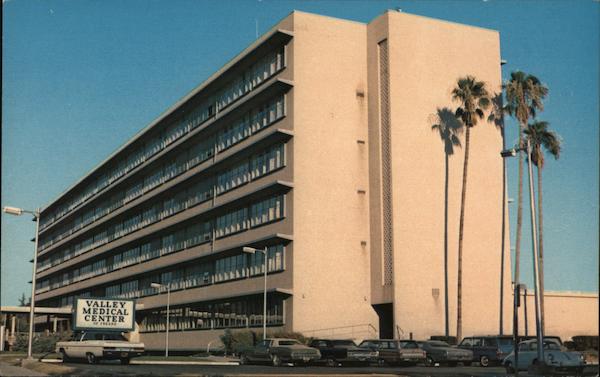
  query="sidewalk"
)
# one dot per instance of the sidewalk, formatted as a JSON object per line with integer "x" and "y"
{"x": 10, "y": 370}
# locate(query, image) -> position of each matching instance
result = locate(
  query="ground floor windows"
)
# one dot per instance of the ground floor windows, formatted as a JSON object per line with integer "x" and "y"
{"x": 239, "y": 312}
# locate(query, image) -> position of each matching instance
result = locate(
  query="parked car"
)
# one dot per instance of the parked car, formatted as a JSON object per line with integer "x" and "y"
{"x": 392, "y": 351}
{"x": 560, "y": 361}
{"x": 488, "y": 349}
{"x": 443, "y": 353}
{"x": 95, "y": 346}
{"x": 338, "y": 351}
{"x": 280, "y": 350}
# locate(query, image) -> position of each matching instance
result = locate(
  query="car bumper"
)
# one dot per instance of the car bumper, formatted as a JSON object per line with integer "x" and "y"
{"x": 359, "y": 359}
{"x": 458, "y": 358}
{"x": 412, "y": 359}
{"x": 117, "y": 354}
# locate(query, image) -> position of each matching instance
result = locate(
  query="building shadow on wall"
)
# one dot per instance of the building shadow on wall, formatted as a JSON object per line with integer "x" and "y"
{"x": 449, "y": 129}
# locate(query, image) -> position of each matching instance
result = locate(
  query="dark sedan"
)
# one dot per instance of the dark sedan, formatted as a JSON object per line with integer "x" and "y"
{"x": 338, "y": 351}
{"x": 278, "y": 351}
{"x": 439, "y": 352}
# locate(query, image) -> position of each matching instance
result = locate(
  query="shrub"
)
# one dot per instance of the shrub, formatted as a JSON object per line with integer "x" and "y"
{"x": 42, "y": 343}
{"x": 236, "y": 342}
{"x": 585, "y": 342}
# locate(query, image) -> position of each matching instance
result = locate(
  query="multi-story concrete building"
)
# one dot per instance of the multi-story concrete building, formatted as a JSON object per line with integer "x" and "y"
{"x": 316, "y": 142}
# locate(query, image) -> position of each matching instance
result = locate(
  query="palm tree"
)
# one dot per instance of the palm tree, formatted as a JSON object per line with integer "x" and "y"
{"x": 497, "y": 118}
{"x": 524, "y": 96}
{"x": 449, "y": 130}
{"x": 474, "y": 99}
{"x": 541, "y": 138}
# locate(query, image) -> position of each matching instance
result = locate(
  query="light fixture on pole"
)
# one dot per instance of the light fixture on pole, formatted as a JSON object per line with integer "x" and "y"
{"x": 534, "y": 241}
{"x": 168, "y": 286}
{"x": 36, "y": 216}
{"x": 251, "y": 250}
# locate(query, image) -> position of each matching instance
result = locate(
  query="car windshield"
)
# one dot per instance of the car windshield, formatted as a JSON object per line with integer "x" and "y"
{"x": 547, "y": 346}
{"x": 437, "y": 343}
{"x": 103, "y": 336}
{"x": 343, "y": 343}
{"x": 408, "y": 345}
{"x": 505, "y": 342}
{"x": 368, "y": 344}
{"x": 288, "y": 342}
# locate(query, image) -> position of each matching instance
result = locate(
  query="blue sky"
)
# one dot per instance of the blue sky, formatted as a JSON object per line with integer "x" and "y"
{"x": 81, "y": 77}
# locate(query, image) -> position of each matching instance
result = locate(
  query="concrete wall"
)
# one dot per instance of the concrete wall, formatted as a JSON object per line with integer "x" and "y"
{"x": 567, "y": 314}
{"x": 331, "y": 208}
{"x": 426, "y": 57}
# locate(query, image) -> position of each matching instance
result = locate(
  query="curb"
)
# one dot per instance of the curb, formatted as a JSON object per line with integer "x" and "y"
{"x": 158, "y": 362}
{"x": 51, "y": 360}
{"x": 149, "y": 362}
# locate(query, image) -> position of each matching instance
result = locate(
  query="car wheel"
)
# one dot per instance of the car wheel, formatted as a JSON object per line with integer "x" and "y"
{"x": 484, "y": 361}
{"x": 64, "y": 356}
{"x": 509, "y": 368}
{"x": 276, "y": 361}
{"x": 91, "y": 358}
{"x": 244, "y": 360}
{"x": 330, "y": 362}
{"x": 429, "y": 361}
{"x": 125, "y": 361}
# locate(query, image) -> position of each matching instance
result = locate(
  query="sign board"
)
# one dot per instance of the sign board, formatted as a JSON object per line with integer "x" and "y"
{"x": 104, "y": 314}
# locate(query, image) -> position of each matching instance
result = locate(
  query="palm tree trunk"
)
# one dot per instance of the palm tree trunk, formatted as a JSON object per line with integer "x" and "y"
{"x": 519, "y": 208}
{"x": 460, "y": 237}
{"x": 446, "y": 314}
{"x": 541, "y": 246}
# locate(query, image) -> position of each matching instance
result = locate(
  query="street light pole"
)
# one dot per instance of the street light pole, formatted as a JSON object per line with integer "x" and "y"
{"x": 168, "y": 319}
{"x": 536, "y": 275}
{"x": 251, "y": 250}
{"x": 168, "y": 286}
{"x": 265, "y": 298}
{"x": 534, "y": 242}
{"x": 36, "y": 214}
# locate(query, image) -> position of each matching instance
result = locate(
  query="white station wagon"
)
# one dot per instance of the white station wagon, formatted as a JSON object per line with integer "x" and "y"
{"x": 95, "y": 346}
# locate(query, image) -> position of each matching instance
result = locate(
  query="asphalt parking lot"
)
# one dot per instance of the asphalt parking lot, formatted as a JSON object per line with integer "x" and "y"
{"x": 107, "y": 368}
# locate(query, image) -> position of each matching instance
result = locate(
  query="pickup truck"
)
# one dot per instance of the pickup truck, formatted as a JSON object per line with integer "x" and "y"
{"x": 94, "y": 346}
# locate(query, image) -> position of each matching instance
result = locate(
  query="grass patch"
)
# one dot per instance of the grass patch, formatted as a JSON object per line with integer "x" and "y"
{"x": 52, "y": 356}
{"x": 53, "y": 369}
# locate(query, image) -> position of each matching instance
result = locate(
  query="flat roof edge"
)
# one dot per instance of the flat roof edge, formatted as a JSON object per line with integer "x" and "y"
{"x": 212, "y": 78}
{"x": 392, "y": 11}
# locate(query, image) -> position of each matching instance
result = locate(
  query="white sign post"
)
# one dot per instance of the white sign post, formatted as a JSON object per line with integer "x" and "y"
{"x": 104, "y": 314}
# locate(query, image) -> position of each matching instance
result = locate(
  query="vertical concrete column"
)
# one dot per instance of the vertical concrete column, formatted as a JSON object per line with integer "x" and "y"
{"x": 12, "y": 324}
{"x": 54, "y": 320}
{"x": 1, "y": 338}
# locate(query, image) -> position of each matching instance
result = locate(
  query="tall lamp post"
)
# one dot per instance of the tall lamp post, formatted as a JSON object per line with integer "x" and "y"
{"x": 36, "y": 216}
{"x": 251, "y": 250}
{"x": 534, "y": 241}
{"x": 168, "y": 286}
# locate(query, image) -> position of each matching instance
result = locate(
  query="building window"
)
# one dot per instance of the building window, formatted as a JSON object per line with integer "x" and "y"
{"x": 240, "y": 312}
{"x": 266, "y": 211}
{"x": 232, "y": 222}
